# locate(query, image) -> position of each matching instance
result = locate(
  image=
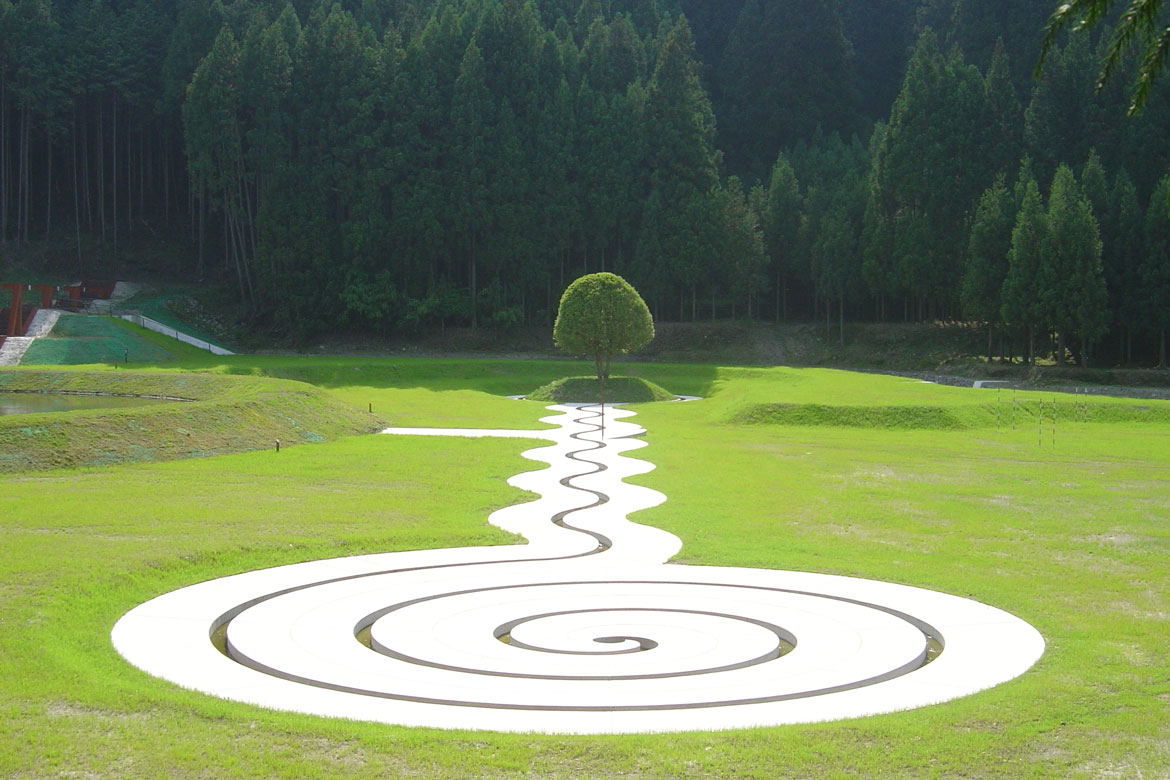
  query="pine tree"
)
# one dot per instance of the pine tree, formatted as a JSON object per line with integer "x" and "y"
{"x": 930, "y": 165}
{"x": 743, "y": 247}
{"x": 1155, "y": 267}
{"x": 1072, "y": 286}
{"x": 680, "y": 134}
{"x": 786, "y": 71}
{"x": 987, "y": 258}
{"x": 471, "y": 118}
{"x": 1006, "y": 129}
{"x": 781, "y": 223}
{"x": 1021, "y": 286}
{"x": 1122, "y": 256}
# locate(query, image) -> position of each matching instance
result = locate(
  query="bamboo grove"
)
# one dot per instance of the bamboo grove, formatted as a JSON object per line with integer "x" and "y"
{"x": 403, "y": 164}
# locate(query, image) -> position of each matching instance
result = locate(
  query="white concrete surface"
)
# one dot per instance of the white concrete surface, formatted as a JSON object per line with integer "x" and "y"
{"x": 43, "y": 323}
{"x": 14, "y": 347}
{"x": 586, "y": 629}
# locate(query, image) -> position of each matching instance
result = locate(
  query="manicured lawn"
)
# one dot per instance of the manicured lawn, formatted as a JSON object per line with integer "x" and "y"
{"x": 928, "y": 491}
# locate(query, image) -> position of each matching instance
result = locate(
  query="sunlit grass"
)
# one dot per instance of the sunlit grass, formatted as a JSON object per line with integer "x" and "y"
{"x": 1070, "y": 532}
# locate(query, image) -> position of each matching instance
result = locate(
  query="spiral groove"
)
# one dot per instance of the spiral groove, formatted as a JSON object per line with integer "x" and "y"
{"x": 584, "y": 630}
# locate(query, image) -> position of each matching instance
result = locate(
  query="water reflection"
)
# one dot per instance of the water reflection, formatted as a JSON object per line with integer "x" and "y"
{"x": 30, "y": 403}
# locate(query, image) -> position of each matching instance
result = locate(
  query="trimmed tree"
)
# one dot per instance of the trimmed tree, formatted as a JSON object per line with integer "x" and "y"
{"x": 602, "y": 315}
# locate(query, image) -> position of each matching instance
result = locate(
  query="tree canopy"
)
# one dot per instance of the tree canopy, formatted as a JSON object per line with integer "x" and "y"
{"x": 601, "y": 315}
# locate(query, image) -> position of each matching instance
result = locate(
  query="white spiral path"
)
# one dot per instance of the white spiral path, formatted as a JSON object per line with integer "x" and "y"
{"x": 585, "y": 629}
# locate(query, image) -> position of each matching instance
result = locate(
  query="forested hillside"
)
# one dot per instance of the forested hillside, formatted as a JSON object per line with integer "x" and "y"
{"x": 404, "y": 164}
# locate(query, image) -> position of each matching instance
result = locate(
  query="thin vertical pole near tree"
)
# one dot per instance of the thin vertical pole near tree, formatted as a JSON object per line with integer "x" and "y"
{"x": 603, "y": 406}
{"x": 1040, "y": 425}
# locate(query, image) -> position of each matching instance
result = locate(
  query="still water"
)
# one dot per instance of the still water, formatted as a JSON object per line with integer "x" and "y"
{"x": 29, "y": 403}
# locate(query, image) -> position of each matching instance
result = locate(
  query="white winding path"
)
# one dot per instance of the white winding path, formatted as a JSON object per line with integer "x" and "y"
{"x": 585, "y": 629}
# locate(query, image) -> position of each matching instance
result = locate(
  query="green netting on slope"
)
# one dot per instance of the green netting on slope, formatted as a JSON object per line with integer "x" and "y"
{"x": 154, "y": 304}
{"x": 79, "y": 339}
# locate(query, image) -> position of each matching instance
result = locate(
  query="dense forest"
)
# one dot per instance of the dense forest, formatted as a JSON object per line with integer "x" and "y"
{"x": 405, "y": 164}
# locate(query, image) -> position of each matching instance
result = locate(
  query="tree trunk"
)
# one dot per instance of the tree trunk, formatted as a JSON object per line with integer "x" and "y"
{"x": 85, "y": 183}
{"x": 21, "y": 176}
{"x": 779, "y": 285}
{"x": 76, "y": 202}
{"x": 48, "y": 184}
{"x": 166, "y": 185}
{"x": 4, "y": 184}
{"x": 114, "y": 172}
{"x": 1060, "y": 347}
{"x": 1162, "y": 348}
{"x": 202, "y": 227}
{"x": 990, "y": 332}
{"x": 841, "y": 318}
{"x": 474, "y": 308}
{"x": 232, "y": 246}
{"x": 129, "y": 183}
{"x": 100, "y": 141}
{"x": 1031, "y": 346}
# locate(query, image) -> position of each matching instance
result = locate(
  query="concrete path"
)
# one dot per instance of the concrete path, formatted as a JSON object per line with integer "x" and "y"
{"x": 14, "y": 347}
{"x": 586, "y": 629}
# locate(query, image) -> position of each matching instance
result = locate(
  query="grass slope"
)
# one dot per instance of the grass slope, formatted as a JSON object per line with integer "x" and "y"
{"x": 1070, "y": 536}
{"x": 82, "y": 339}
{"x": 222, "y": 414}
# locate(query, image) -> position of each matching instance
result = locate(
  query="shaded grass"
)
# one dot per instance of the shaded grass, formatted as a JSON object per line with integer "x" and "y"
{"x": 587, "y": 389}
{"x": 1071, "y": 537}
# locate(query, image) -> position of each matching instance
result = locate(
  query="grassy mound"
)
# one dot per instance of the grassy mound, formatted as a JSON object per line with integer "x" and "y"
{"x": 586, "y": 389}
{"x": 904, "y": 417}
{"x": 221, "y": 414}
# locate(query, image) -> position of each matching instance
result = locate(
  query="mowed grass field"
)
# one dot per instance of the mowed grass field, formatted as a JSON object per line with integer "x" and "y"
{"x": 814, "y": 470}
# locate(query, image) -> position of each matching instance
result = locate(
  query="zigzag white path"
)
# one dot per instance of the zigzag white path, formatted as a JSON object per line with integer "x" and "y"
{"x": 585, "y": 629}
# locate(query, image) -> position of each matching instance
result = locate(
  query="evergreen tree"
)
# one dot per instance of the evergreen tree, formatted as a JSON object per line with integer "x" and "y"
{"x": 471, "y": 119}
{"x": 1123, "y": 239}
{"x": 1021, "y": 287}
{"x": 987, "y": 258}
{"x": 781, "y": 223}
{"x": 1155, "y": 268}
{"x": 1006, "y": 129}
{"x": 680, "y": 133}
{"x": 930, "y": 165}
{"x": 742, "y": 247}
{"x": 1063, "y": 119}
{"x": 787, "y": 70}
{"x": 215, "y": 143}
{"x": 1073, "y": 297}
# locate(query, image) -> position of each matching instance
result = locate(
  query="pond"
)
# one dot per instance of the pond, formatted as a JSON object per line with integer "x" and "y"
{"x": 30, "y": 403}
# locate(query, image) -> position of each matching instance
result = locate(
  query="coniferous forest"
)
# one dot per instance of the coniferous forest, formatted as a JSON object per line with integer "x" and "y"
{"x": 404, "y": 164}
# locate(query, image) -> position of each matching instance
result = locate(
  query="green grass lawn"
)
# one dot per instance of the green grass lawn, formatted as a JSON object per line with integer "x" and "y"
{"x": 812, "y": 470}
